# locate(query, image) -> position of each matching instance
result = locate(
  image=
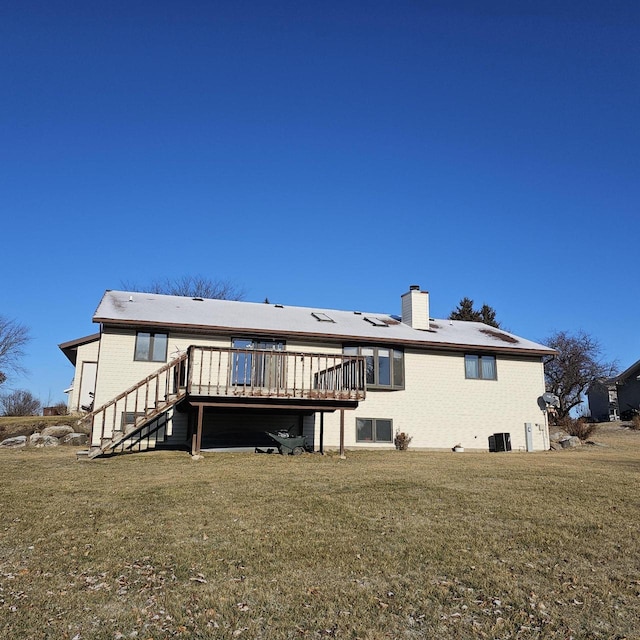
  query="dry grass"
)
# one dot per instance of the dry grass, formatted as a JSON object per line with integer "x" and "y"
{"x": 381, "y": 545}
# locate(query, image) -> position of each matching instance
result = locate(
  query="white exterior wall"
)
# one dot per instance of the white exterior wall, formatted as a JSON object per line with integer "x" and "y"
{"x": 415, "y": 309}
{"x": 117, "y": 370}
{"x": 84, "y": 353}
{"x": 439, "y": 408}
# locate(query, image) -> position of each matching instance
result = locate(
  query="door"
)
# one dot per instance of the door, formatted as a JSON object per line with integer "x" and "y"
{"x": 87, "y": 386}
{"x": 258, "y": 363}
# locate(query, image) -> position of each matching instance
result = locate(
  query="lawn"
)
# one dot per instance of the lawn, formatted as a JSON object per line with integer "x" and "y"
{"x": 380, "y": 545}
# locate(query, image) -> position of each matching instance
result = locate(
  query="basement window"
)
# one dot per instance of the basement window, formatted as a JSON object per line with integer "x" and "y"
{"x": 129, "y": 419}
{"x": 374, "y": 430}
{"x": 480, "y": 367}
{"x": 151, "y": 347}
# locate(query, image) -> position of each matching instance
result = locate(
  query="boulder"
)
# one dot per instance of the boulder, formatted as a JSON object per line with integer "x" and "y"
{"x": 555, "y": 446}
{"x": 14, "y": 443}
{"x": 570, "y": 442}
{"x": 57, "y": 430}
{"x": 558, "y": 435}
{"x": 75, "y": 439}
{"x": 40, "y": 440}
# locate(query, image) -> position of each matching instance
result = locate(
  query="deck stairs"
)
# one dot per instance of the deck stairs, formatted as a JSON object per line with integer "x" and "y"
{"x": 137, "y": 419}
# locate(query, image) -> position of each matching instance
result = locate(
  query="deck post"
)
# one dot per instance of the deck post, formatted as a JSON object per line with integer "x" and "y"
{"x": 342, "y": 434}
{"x": 196, "y": 438}
{"x": 189, "y": 422}
{"x": 322, "y": 432}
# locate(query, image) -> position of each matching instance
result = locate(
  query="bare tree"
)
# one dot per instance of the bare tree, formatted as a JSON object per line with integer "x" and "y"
{"x": 576, "y": 365}
{"x": 466, "y": 311}
{"x": 13, "y": 339}
{"x": 191, "y": 287}
{"x": 20, "y": 403}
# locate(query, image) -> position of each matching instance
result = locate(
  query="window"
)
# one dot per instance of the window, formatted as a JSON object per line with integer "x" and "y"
{"x": 321, "y": 317}
{"x": 128, "y": 420}
{"x": 480, "y": 367}
{"x": 374, "y": 430}
{"x": 376, "y": 322}
{"x": 151, "y": 347}
{"x": 384, "y": 366}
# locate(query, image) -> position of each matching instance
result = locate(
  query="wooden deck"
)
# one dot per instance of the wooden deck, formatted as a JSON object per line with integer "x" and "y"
{"x": 266, "y": 379}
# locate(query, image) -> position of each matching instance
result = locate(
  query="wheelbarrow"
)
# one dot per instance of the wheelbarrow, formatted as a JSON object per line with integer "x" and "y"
{"x": 288, "y": 444}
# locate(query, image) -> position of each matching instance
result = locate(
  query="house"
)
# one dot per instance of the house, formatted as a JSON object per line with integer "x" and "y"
{"x": 617, "y": 397}
{"x": 215, "y": 374}
{"x": 83, "y": 355}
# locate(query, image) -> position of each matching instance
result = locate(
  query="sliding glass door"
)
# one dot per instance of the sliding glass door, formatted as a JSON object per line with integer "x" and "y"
{"x": 259, "y": 363}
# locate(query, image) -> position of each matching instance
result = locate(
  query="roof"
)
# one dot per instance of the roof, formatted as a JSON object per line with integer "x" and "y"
{"x": 632, "y": 371}
{"x": 134, "y": 309}
{"x": 70, "y": 349}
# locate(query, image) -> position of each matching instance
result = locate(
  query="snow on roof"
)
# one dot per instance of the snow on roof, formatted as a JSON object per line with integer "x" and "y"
{"x": 145, "y": 309}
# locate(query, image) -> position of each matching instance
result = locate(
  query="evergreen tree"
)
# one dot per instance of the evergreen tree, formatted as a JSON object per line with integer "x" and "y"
{"x": 465, "y": 311}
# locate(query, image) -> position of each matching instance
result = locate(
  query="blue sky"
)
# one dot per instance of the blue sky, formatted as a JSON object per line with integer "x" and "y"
{"x": 324, "y": 154}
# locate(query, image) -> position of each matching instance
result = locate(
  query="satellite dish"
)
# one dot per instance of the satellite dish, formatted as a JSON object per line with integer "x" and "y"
{"x": 551, "y": 398}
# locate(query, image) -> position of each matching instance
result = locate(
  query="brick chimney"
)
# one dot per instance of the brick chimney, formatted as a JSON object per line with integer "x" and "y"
{"x": 415, "y": 308}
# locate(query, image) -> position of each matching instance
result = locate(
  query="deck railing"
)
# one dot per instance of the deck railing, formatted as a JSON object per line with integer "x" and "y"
{"x": 206, "y": 372}
{"x": 215, "y": 371}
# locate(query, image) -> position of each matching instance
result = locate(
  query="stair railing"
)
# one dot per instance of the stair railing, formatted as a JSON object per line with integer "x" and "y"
{"x": 139, "y": 404}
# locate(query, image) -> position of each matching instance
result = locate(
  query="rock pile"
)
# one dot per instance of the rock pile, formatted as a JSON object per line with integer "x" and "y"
{"x": 50, "y": 437}
{"x": 561, "y": 440}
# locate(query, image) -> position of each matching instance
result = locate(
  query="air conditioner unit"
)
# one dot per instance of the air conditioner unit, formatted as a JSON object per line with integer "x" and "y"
{"x": 500, "y": 442}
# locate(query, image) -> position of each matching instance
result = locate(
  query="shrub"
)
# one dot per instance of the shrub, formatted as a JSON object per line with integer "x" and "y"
{"x": 635, "y": 422}
{"x": 402, "y": 440}
{"x": 19, "y": 403}
{"x": 578, "y": 427}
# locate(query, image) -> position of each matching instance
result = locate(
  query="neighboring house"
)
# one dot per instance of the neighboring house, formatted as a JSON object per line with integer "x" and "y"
{"x": 614, "y": 398}
{"x": 83, "y": 355}
{"x": 214, "y": 374}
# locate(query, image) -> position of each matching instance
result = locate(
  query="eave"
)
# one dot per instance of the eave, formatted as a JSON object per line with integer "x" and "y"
{"x": 632, "y": 371}
{"x": 70, "y": 348}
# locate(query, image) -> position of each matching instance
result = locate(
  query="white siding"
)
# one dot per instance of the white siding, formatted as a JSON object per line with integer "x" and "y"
{"x": 84, "y": 353}
{"x": 438, "y": 408}
{"x": 117, "y": 370}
